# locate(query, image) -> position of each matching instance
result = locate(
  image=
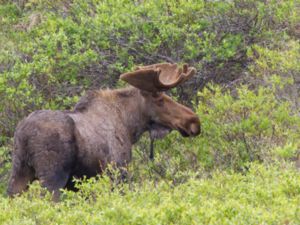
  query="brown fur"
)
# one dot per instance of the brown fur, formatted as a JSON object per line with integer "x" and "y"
{"x": 54, "y": 146}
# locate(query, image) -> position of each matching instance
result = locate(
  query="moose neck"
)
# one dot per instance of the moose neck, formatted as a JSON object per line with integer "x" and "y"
{"x": 133, "y": 112}
{"x": 127, "y": 106}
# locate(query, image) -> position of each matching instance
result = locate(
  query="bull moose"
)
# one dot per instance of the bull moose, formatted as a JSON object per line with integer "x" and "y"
{"x": 55, "y": 146}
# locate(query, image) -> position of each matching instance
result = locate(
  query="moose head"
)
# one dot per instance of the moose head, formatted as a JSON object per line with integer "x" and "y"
{"x": 165, "y": 114}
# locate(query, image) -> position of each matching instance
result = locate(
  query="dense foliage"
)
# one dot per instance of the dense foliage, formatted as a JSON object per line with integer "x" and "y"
{"x": 246, "y": 92}
{"x": 265, "y": 195}
{"x": 51, "y": 51}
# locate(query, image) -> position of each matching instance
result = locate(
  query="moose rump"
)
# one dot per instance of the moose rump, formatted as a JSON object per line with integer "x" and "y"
{"x": 55, "y": 146}
{"x": 44, "y": 149}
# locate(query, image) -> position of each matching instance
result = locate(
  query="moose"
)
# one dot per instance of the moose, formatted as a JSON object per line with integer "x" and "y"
{"x": 55, "y": 146}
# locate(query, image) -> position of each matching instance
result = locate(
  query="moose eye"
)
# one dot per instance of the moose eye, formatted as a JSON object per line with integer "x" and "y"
{"x": 160, "y": 101}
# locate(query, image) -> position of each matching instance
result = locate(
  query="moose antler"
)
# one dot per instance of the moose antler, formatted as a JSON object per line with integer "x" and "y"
{"x": 158, "y": 77}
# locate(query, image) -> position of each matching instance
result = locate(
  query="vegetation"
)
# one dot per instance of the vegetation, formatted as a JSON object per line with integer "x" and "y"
{"x": 246, "y": 92}
{"x": 265, "y": 195}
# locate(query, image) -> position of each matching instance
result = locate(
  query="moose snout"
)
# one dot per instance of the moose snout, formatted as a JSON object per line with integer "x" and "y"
{"x": 195, "y": 128}
{"x": 191, "y": 127}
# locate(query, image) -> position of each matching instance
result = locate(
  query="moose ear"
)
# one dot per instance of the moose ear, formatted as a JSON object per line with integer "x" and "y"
{"x": 145, "y": 79}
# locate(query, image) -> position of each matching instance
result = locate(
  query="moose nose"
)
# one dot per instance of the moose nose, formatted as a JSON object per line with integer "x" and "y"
{"x": 195, "y": 128}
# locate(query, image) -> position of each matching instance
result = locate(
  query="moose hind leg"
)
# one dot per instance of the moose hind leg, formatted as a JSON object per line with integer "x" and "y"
{"x": 54, "y": 180}
{"x": 19, "y": 180}
{"x": 53, "y": 169}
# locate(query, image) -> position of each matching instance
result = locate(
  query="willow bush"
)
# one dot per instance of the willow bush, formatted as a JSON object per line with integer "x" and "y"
{"x": 52, "y": 51}
{"x": 265, "y": 195}
{"x": 246, "y": 93}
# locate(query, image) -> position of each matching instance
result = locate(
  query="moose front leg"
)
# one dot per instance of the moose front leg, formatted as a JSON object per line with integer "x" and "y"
{"x": 118, "y": 170}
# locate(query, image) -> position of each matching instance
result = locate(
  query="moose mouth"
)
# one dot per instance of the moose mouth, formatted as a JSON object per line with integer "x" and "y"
{"x": 183, "y": 132}
{"x": 158, "y": 131}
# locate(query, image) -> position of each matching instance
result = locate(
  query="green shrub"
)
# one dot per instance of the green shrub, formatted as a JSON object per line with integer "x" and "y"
{"x": 51, "y": 51}
{"x": 259, "y": 197}
{"x": 278, "y": 67}
{"x": 247, "y": 127}
{"x": 5, "y": 166}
